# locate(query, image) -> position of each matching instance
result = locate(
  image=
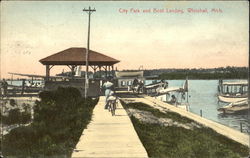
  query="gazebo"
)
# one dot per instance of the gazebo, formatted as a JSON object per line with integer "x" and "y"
{"x": 75, "y": 56}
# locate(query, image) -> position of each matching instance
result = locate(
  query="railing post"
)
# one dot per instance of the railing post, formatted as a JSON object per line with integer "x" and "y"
{"x": 241, "y": 127}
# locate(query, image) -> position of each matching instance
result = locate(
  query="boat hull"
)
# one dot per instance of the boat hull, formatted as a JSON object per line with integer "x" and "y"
{"x": 230, "y": 99}
{"x": 235, "y": 107}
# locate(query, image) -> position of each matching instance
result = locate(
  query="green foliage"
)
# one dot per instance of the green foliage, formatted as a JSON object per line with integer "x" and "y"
{"x": 177, "y": 142}
{"x": 59, "y": 119}
{"x": 229, "y": 72}
{"x": 232, "y": 74}
{"x": 16, "y": 117}
{"x": 12, "y": 102}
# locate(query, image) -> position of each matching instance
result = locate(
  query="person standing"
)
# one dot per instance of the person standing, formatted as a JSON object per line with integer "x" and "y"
{"x": 140, "y": 88}
{"x": 173, "y": 100}
{"x": 135, "y": 84}
{"x": 5, "y": 87}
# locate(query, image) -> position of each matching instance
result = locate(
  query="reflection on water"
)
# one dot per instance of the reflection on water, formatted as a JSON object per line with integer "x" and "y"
{"x": 203, "y": 96}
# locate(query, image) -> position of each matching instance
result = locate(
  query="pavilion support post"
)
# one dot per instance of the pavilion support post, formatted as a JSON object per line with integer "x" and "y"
{"x": 95, "y": 67}
{"x": 109, "y": 74}
{"x": 113, "y": 73}
{"x": 72, "y": 70}
{"x": 106, "y": 72}
{"x": 100, "y": 71}
{"x": 47, "y": 72}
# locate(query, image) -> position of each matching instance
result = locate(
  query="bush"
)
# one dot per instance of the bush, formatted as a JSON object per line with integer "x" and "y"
{"x": 59, "y": 119}
{"x": 16, "y": 117}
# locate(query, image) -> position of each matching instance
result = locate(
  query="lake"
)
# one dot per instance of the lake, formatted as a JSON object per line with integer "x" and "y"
{"x": 203, "y": 96}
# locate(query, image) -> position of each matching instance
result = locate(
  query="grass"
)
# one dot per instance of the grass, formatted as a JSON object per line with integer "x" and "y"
{"x": 178, "y": 142}
{"x": 157, "y": 112}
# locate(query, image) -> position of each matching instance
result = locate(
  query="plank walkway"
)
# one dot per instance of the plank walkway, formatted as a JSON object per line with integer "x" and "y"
{"x": 219, "y": 128}
{"x": 109, "y": 136}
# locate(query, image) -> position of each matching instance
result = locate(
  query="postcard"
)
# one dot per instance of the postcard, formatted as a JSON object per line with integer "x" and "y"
{"x": 124, "y": 79}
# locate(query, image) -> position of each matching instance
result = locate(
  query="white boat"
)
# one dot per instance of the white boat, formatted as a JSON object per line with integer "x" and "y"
{"x": 231, "y": 92}
{"x": 162, "y": 91}
{"x": 235, "y": 107}
{"x": 230, "y": 99}
{"x": 235, "y": 94}
{"x": 154, "y": 85}
{"x": 165, "y": 90}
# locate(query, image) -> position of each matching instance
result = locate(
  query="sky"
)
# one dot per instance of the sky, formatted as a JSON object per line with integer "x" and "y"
{"x": 169, "y": 36}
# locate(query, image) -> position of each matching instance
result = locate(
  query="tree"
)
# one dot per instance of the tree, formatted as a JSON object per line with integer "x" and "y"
{"x": 14, "y": 116}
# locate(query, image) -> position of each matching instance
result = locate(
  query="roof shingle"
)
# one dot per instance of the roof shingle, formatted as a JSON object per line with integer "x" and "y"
{"x": 76, "y": 56}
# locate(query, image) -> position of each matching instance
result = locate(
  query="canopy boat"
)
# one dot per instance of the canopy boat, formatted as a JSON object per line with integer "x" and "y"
{"x": 235, "y": 94}
{"x": 231, "y": 92}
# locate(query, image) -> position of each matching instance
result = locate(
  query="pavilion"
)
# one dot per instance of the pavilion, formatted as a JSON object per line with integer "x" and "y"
{"x": 73, "y": 57}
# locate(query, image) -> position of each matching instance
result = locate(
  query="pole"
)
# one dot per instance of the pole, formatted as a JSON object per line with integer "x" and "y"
{"x": 241, "y": 127}
{"x": 1, "y": 102}
{"x": 89, "y": 11}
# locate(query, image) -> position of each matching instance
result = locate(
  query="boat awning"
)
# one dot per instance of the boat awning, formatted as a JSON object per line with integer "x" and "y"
{"x": 129, "y": 74}
{"x": 239, "y": 83}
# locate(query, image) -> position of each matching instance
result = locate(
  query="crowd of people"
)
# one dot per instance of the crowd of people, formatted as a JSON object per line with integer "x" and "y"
{"x": 137, "y": 86}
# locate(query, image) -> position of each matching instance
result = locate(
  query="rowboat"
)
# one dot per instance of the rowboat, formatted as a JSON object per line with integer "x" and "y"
{"x": 235, "y": 107}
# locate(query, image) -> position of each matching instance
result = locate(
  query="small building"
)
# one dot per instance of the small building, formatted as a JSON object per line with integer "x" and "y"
{"x": 73, "y": 57}
{"x": 124, "y": 79}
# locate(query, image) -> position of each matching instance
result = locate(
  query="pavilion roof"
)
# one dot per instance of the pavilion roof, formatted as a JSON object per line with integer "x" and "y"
{"x": 76, "y": 56}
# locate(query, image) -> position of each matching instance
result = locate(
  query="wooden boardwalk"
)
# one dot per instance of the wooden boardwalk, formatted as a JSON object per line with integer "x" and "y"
{"x": 109, "y": 136}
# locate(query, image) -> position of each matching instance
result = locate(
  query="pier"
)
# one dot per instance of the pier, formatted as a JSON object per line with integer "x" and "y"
{"x": 219, "y": 128}
{"x": 115, "y": 136}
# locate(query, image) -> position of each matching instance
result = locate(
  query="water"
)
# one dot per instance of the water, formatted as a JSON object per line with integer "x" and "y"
{"x": 203, "y": 96}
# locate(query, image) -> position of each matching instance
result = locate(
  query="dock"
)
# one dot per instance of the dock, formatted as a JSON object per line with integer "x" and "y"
{"x": 109, "y": 136}
{"x": 219, "y": 128}
{"x": 115, "y": 136}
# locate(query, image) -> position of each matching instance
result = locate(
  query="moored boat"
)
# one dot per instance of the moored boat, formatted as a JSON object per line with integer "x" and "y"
{"x": 235, "y": 107}
{"x": 231, "y": 92}
{"x": 235, "y": 94}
